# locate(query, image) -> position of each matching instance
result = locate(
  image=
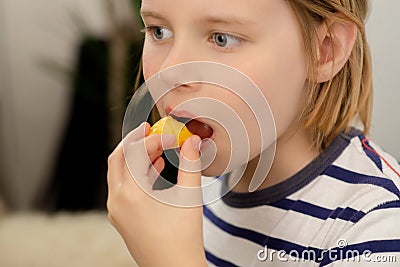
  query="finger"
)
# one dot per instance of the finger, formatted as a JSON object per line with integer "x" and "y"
{"x": 151, "y": 147}
{"x": 138, "y": 133}
{"x": 116, "y": 167}
{"x": 156, "y": 144}
{"x": 155, "y": 170}
{"x": 189, "y": 173}
{"x": 140, "y": 154}
{"x": 135, "y": 151}
{"x": 159, "y": 165}
{"x": 131, "y": 138}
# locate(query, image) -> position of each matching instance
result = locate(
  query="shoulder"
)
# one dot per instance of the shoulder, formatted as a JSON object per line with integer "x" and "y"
{"x": 363, "y": 175}
{"x": 369, "y": 183}
{"x": 366, "y": 157}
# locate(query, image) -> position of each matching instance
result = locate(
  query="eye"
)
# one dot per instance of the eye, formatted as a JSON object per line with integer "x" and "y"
{"x": 159, "y": 33}
{"x": 225, "y": 40}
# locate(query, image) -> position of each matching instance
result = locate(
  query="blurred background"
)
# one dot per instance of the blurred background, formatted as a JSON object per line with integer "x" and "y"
{"x": 67, "y": 72}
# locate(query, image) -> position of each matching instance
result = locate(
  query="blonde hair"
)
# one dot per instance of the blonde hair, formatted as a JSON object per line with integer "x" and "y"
{"x": 333, "y": 106}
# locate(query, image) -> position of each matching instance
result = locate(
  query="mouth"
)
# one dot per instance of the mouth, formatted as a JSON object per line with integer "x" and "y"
{"x": 195, "y": 126}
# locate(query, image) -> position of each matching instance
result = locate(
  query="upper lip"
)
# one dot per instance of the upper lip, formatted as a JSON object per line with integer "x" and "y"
{"x": 183, "y": 120}
{"x": 179, "y": 113}
{"x": 183, "y": 116}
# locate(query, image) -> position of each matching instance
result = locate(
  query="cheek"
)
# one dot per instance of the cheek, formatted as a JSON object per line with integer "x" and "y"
{"x": 151, "y": 60}
{"x": 149, "y": 66}
{"x": 281, "y": 77}
{"x": 247, "y": 119}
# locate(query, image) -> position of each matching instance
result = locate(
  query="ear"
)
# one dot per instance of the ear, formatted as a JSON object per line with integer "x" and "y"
{"x": 335, "y": 43}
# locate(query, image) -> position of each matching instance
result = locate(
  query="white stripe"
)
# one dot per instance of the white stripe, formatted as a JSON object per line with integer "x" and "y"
{"x": 260, "y": 219}
{"x": 237, "y": 250}
{"x": 332, "y": 193}
{"x": 378, "y": 225}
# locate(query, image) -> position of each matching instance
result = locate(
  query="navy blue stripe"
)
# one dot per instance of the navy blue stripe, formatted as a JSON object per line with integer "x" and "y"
{"x": 347, "y": 214}
{"x": 218, "y": 261}
{"x": 374, "y": 157}
{"x": 251, "y": 235}
{"x": 377, "y": 246}
{"x": 358, "y": 178}
{"x": 261, "y": 239}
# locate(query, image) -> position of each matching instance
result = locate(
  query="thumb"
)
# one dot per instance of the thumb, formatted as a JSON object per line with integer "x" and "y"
{"x": 189, "y": 173}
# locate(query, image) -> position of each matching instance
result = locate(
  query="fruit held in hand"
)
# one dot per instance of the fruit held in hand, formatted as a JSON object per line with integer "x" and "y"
{"x": 169, "y": 125}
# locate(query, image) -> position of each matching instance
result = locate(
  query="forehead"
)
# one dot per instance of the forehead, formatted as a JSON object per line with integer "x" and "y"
{"x": 241, "y": 9}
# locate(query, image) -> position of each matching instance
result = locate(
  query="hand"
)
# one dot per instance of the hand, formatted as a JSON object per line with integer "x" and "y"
{"x": 155, "y": 233}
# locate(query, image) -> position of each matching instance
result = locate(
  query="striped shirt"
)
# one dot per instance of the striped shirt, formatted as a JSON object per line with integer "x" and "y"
{"x": 342, "y": 209}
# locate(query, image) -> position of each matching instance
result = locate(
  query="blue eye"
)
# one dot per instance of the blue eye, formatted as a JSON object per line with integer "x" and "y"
{"x": 225, "y": 40}
{"x": 159, "y": 33}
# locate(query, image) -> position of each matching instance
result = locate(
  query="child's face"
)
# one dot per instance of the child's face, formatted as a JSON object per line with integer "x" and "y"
{"x": 260, "y": 38}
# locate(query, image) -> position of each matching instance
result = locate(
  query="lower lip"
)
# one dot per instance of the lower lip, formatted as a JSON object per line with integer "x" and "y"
{"x": 204, "y": 145}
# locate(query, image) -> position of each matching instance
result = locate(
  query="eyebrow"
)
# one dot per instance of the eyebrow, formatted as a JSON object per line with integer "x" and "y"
{"x": 228, "y": 19}
{"x": 216, "y": 19}
{"x": 148, "y": 13}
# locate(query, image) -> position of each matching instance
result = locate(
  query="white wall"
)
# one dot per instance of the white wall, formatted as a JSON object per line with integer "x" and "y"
{"x": 30, "y": 129}
{"x": 384, "y": 37}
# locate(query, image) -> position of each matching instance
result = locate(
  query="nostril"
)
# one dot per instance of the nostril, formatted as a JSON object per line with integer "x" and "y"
{"x": 170, "y": 79}
{"x": 181, "y": 85}
{"x": 179, "y": 74}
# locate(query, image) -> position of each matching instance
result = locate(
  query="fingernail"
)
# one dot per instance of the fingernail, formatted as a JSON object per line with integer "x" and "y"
{"x": 196, "y": 142}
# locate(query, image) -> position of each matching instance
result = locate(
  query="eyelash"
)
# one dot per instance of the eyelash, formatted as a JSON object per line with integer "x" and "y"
{"x": 237, "y": 39}
{"x": 150, "y": 31}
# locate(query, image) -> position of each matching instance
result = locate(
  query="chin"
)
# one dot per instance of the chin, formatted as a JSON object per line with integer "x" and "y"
{"x": 214, "y": 170}
{"x": 209, "y": 173}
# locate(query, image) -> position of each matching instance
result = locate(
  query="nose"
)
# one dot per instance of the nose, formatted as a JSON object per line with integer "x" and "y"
{"x": 179, "y": 67}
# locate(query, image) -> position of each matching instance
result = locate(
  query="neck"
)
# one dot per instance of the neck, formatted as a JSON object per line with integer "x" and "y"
{"x": 294, "y": 151}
